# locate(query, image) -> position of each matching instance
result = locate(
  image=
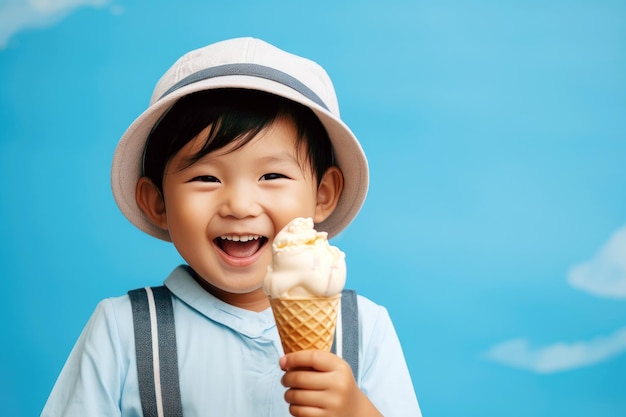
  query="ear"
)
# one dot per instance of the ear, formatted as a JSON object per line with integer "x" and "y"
{"x": 328, "y": 192}
{"x": 150, "y": 201}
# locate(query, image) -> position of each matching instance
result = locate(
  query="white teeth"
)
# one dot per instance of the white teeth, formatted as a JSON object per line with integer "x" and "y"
{"x": 243, "y": 238}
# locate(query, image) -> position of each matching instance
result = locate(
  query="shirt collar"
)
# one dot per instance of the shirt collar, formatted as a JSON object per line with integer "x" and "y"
{"x": 249, "y": 323}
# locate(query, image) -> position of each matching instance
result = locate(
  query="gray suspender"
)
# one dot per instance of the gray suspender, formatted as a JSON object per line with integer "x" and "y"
{"x": 349, "y": 332}
{"x": 157, "y": 358}
{"x": 155, "y": 348}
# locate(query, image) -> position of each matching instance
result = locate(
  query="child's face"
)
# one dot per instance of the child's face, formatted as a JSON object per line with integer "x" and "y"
{"x": 223, "y": 211}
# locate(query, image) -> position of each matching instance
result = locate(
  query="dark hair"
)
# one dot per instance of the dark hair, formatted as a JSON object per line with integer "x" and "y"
{"x": 236, "y": 116}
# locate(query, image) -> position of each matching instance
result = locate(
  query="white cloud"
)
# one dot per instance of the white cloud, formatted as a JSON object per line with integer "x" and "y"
{"x": 605, "y": 274}
{"x": 17, "y": 15}
{"x": 558, "y": 357}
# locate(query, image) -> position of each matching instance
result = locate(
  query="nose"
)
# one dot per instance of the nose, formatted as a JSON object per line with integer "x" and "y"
{"x": 240, "y": 201}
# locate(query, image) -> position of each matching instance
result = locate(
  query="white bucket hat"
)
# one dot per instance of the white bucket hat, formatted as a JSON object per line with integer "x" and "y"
{"x": 253, "y": 64}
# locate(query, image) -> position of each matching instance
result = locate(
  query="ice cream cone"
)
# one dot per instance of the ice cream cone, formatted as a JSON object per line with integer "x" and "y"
{"x": 306, "y": 323}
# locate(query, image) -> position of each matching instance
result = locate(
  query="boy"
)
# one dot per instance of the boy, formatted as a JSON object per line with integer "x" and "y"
{"x": 240, "y": 138}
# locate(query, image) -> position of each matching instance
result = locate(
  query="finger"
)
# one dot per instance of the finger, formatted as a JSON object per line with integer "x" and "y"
{"x": 305, "y": 379}
{"x": 314, "y": 359}
{"x": 306, "y": 398}
{"x": 305, "y": 411}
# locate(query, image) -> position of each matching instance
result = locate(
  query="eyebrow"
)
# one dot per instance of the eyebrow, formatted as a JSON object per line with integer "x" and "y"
{"x": 282, "y": 157}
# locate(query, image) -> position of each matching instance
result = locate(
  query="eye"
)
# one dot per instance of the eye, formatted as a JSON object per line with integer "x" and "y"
{"x": 205, "y": 178}
{"x": 272, "y": 176}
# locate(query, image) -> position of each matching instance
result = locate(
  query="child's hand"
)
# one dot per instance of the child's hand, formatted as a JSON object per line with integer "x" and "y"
{"x": 320, "y": 384}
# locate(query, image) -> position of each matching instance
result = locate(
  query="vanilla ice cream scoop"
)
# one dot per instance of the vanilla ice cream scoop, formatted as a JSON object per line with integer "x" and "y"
{"x": 304, "y": 264}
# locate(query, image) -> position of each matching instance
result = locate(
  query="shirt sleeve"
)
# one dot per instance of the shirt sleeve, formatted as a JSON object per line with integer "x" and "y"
{"x": 385, "y": 377}
{"x": 91, "y": 380}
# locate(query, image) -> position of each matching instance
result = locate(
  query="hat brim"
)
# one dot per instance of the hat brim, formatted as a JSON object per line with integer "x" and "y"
{"x": 350, "y": 158}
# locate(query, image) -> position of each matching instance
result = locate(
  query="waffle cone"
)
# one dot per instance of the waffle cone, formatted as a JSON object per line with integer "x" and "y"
{"x": 306, "y": 323}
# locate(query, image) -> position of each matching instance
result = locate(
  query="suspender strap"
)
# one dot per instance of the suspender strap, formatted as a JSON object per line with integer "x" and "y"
{"x": 350, "y": 330}
{"x": 347, "y": 333}
{"x": 155, "y": 348}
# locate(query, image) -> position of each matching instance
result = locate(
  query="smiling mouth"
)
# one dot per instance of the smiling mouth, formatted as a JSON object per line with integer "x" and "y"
{"x": 240, "y": 246}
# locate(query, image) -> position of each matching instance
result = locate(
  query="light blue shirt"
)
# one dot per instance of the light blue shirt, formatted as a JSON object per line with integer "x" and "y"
{"x": 228, "y": 361}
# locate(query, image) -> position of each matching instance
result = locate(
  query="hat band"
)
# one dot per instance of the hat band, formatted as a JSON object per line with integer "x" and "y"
{"x": 252, "y": 70}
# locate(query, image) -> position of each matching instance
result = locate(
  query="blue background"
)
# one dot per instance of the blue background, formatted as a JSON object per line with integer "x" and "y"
{"x": 495, "y": 226}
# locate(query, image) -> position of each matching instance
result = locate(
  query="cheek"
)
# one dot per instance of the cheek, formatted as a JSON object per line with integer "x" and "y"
{"x": 298, "y": 203}
{"x": 187, "y": 226}
{"x": 183, "y": 210}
